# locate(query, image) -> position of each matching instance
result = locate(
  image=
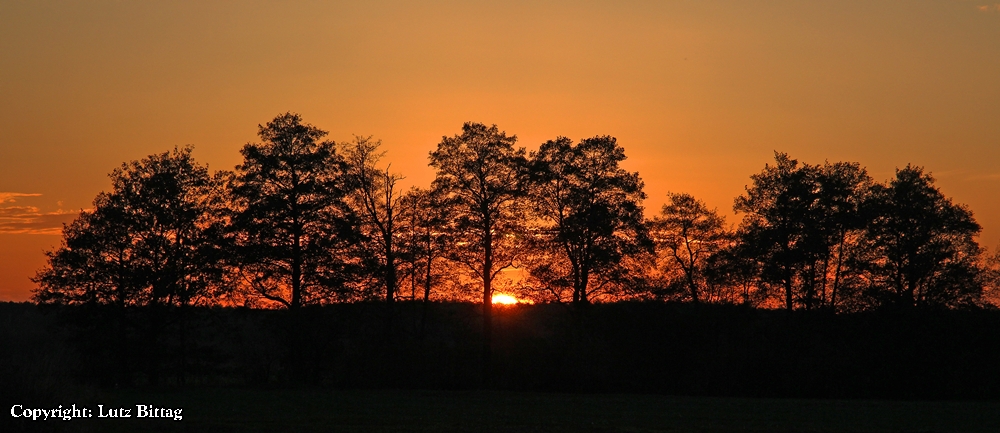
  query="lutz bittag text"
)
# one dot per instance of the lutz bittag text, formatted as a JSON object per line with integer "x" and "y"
{"x": 73, "y": 411}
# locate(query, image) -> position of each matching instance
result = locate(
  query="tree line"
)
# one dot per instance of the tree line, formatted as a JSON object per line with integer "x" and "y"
{"x": 308, "y": 221}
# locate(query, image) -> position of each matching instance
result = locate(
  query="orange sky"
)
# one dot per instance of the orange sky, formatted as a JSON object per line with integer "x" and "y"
{"x": 698, "y": 92}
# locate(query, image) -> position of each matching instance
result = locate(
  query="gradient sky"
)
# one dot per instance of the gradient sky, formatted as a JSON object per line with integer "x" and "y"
{"x": 700, "y": 93}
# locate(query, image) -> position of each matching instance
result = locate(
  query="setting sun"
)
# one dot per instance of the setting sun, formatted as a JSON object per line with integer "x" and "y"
{"x": 503, "y": 299}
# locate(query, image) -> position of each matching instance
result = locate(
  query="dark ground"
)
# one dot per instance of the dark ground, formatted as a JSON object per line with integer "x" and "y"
{"x": 609, "y": 367}
{"x": 235, "y": 410}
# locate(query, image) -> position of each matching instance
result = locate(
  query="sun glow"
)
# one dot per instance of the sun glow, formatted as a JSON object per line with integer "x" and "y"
{"x": 503, "y": 299}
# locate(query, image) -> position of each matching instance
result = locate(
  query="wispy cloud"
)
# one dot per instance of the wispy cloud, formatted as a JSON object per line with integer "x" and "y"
{"x": 989, "y": 8}
{"x": 30, "y": 219}
{"x": 10, "y": 197}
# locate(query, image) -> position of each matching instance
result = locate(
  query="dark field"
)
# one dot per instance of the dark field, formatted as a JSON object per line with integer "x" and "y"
{"x": 221, "y": 410}
{"x": 611, "y": 367}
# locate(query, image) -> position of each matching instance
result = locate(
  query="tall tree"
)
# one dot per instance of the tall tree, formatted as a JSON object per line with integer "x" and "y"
{"x": 926, "y": 252}
{"x": 590, "y": 211}
{"x": 291, "y": 230}
{"x": 777, "y": 208}
{"x": 479, "y": 176}
{"x": 689, "y": 233}
{"x": 797, "y": 224}
{"x": 426, "y": 238}
{"x": 735, "y": 271}
{"x": 150, "y": 243}
{"x": 376, "y": 199}
{"x": 147, "y": 242}
{"x": 94, "y": 264}
{"x": 842, "y": 188}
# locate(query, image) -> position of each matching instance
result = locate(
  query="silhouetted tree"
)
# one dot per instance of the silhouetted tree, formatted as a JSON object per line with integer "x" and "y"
{"x": 95, "y": 262}
{"x": 991, "y": 279}
{"x": 689, "y": 233}
{"x": 842, "y": 188}
{"x": 778, "y": 206}
{"x": 426, "y": 238}
{"x": 147, "y": 242}
{"x": 590, "y": 212}
{"x": 292, "y": 233}
{"x": 376, "y": 199}
{"x": 479, "y": 176}
{"x": 924, "y": 245}
{"x": 798, "y": 224}
{"x": 735, "y": 269}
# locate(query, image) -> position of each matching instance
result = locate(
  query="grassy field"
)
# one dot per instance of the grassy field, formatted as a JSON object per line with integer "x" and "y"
{"x": 222, "y": 410}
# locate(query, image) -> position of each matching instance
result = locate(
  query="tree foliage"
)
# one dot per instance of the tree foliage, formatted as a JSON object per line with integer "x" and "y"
{"x": 292, "y": 233}
{"x": 375, "y": 198}
{"x": 798, "y": 220}
{"x": 480, "y": 179}
{"x": 689, "y": 234}
{"x": 828, "y": 236}
{"x": 922, "y": 245}
{"x": 147, "y": 242}
{"x": 426, "y": 239}
{"x": 306, "y": 221}
{"x": 590, "y": 216}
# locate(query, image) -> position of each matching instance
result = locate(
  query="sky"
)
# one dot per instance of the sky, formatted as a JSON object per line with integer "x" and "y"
{"x": 699, "y": 93}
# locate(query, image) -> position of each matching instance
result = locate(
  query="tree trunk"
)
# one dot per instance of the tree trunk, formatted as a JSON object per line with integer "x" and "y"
{"x": 390, "y": 271}
{"x": 427, "y": 284}
{"x": 788, "y": 293}
{"x": 487, "y": 306}
{"x": 836, "y": 274}
{"x": 296, "y": 275}
{"x": 691, "y": 283}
